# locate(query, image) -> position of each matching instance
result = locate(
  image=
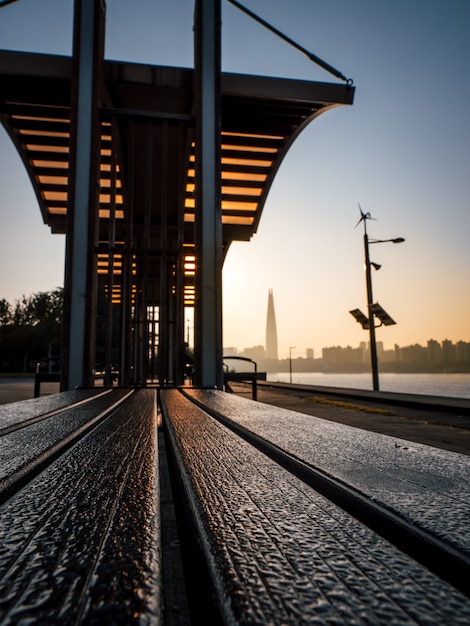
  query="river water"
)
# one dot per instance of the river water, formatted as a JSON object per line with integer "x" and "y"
{"x": 448, "y": 385}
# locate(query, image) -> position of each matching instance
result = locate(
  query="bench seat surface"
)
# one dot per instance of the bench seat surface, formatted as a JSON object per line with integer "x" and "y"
{"x": 80, "y": 541}
{"x": 427, "y": 486}
{"x": 25, "y": 449}
{"x": 279, "y": 552}
{"x": 14, "y": 413}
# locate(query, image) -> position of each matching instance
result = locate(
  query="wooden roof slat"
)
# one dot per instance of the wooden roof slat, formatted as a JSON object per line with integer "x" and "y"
{"x": 261, "y": 116}
{"x": 50, "y": 171}
{"x": 53, "y": 188}
{"x": 44, "y": 155}
{"x": 46, "y": 126}
{"x": 248, "y": 184}
{"x": 226, "y": 197}
{"x": 44, "y": 140}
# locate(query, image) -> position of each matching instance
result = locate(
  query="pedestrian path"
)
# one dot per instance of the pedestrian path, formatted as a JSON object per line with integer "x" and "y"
{"x": 437, "y": 428}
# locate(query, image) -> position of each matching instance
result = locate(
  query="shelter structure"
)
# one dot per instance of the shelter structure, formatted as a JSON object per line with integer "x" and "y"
{"x": 114, "y": 152}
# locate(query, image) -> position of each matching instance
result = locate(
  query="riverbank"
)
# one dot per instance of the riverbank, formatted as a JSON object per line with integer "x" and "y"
{"x": 456, "y": 385}
{"x": 428, "y": 402}
{"x": 408, "y": 418}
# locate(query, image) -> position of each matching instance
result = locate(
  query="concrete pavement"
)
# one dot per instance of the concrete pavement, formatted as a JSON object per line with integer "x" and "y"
{"x": 16, "y": 389}
{"x": 439, "y": 426}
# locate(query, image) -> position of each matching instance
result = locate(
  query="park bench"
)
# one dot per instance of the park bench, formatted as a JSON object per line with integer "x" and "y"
{"x": 44, "y": 377}
{"x": 251, "y": 376}
{"x": 80, "y": 509}
{"x": 302, "y": 521}
{"x": 282, "y": 518}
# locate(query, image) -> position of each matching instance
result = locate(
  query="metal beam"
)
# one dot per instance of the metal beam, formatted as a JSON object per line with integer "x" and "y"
{"x": 208, "y": 310}
{"x": 80, "y": 275}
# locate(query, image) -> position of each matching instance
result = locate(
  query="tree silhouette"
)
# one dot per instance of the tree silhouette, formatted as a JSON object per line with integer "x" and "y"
{"x": 30, "y": 331}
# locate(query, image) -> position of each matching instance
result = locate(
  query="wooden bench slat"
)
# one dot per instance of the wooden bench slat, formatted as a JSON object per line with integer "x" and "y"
{"x": 80, "y": 543}
{"x": 15, "y": 413}
{"x": 428, "y": 487}
{"x": 24, "y": 451}
{"x": 281, "y": 553}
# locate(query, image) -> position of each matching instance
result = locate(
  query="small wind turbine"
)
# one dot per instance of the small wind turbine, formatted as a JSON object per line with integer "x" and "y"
{"x": 364, "y": 217}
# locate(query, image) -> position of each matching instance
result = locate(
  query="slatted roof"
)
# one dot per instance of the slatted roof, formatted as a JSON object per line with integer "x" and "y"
{"x": 147, "y": 168}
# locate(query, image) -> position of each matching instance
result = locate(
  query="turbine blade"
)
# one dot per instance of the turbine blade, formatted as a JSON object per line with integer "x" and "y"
{"x": 364, "y": 216}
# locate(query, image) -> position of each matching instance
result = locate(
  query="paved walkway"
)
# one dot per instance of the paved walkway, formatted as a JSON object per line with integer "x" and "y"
{"x": 440, "y": 428}
{"x": 15, "y": 389}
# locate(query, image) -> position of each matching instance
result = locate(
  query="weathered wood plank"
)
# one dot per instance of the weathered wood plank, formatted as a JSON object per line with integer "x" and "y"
{"x": 80, "y": 542}
{"x": 281, "y": 553}
{"x": 26, "y": 411}
{"x": 26, "y": 450}
{"x": 428, "y": 487}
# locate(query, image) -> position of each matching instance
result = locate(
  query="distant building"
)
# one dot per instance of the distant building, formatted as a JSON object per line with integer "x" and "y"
{"x": 309, "y": 353}
{"x": 271, "y": 330}
{"x": 462, "y": 351}
{"x": 434, "y": 351}
{"x": 257, "y": 353}
{"x": 230, "y": 351}
{"x": 448, "y": 351}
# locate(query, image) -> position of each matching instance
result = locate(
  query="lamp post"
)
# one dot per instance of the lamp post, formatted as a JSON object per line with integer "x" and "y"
{"x": 370, "y": 301}
{"x": 290, "y": 363}
{"x": 373, "y": 309}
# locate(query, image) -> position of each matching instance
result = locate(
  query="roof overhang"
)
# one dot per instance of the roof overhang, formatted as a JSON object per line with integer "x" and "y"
{"x": 147, "y": 149}
{"x": 261, "y": 117}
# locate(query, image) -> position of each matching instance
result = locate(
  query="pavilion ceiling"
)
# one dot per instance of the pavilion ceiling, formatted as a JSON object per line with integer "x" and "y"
{"x": 147, "y": 149}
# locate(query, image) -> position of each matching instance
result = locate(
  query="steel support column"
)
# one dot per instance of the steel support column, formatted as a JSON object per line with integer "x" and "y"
{"x": 126, "y": 370}
{"x": 208, "y": 233}
{"x": 82, "y": 210}
{"x": 179, "y": 347}
{"x": 111, "y": 252}
{"x": 164, "y": 339}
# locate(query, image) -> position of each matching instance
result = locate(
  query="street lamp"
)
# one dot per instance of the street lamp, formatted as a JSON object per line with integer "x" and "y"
{"x": 373, "y": 310}
{"x": 290, "y": 363}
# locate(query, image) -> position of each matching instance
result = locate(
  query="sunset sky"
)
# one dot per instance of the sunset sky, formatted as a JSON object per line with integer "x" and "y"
{"x": 402, "y": 151}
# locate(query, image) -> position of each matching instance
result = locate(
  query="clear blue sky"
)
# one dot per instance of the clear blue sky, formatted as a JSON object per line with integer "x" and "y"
{"x": 402, "y": 150}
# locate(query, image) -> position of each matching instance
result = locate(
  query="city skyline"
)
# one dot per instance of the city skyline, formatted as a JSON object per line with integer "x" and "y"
{"x": 269, "y": 351}
{"x": 363, "y": 345}
{"x": 401, "y": 151}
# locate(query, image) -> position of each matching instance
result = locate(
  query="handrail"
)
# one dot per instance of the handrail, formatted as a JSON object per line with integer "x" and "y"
{"x": 242, "y": 358}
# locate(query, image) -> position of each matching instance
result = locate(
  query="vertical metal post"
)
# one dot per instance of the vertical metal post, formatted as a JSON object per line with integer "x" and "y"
{"x": 290, "y": 363}
{"x": 373, "y": 344}
{"x": 80, "y": 271}
{"x": 208, "y": 233}
{"x": 145, "y": 282}
{"x": 127, "y": 330}
{"x": 178, "y": 347}
{"x": 165, "y": 290}
{"x": 108, "y": 365}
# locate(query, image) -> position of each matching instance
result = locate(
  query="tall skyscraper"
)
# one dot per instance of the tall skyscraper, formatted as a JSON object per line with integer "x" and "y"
{"x": 271, "y": 330}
